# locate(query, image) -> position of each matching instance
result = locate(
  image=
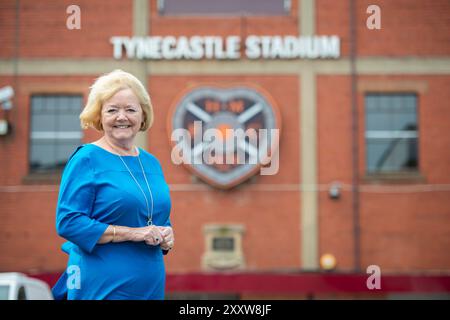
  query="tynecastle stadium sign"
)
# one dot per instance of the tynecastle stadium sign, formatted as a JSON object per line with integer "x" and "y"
{"x": 229, "y": 48}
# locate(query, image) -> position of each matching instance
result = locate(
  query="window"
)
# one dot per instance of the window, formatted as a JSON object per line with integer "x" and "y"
{"x": 391, "y": 133}
{"x": 221, "y": 7}
{"x": 55, "y": 130}
{"x": 223, "y": 244}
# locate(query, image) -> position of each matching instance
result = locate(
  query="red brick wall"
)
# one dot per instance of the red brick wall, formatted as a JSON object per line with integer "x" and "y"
{"x": 14, "y": 159}
{"x": 334, "y": 164}
{"x": 271, "y": 219}
{"x": 410, "y": 231}
{"x": 434, "y": 127}
{"x": 408, "y": 27}
{"x": 43, "y": 32}
{"x": 29, "y": 241}
{"x": 399, "y": 231}
{"x": 404, "y": 232}
{"x": 332, "y": 18}
{"x": 6, "y": 145}
{"x": 7, "y": 28}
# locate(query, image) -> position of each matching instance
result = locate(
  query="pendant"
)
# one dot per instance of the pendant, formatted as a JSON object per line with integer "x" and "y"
{"x": 149, "y": 222}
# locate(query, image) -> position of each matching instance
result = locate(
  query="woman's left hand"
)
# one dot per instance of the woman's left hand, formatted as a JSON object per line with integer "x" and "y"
{"x": 168, "y": 238}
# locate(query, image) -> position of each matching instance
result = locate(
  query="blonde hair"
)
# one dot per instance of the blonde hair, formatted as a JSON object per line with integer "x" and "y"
{"x": 104, "y": 88}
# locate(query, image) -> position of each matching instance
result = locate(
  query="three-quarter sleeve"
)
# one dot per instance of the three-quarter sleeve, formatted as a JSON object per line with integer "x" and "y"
{"x": 75, "y": 203}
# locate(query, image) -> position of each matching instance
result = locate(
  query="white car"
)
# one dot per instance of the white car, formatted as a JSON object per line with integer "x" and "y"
{"x": 18, "y": 286}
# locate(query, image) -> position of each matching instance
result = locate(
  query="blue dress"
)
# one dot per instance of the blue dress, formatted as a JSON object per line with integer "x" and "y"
{"x": 97, "y": 190}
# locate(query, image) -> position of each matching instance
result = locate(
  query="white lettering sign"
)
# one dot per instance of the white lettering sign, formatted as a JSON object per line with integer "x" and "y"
{"x": 214, "y": 47}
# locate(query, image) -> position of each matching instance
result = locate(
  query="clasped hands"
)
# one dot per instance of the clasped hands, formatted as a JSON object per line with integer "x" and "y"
{"x": 158, "y": 235}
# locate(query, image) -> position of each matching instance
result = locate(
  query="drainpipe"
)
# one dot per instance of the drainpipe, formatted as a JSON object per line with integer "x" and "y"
{"x": 355, "y": 140}
{"x": 13, "y": 113}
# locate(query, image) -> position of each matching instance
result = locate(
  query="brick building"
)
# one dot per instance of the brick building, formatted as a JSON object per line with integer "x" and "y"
{"x": 364, "y": 157}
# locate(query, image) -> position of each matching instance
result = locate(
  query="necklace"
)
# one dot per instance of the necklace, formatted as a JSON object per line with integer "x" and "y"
{"x": 149, "y": 213}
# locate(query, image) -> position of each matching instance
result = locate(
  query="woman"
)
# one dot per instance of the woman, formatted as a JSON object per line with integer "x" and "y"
{"x": 114, "y": 204}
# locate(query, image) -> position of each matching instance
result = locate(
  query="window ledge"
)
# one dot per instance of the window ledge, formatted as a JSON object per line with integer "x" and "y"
{"x": 394, "y": 178}
{"x": 42, "y": 178}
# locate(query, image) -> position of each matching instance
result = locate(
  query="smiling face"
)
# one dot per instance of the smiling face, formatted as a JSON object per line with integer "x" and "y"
{"x": 122, "y": 116}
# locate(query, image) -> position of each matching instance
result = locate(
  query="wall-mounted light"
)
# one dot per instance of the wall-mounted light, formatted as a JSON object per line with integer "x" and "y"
{"x": 4, "y": 127}
{"x": 6, "y": 95}
{"x": 327, "y": 261}
{"x": 335, "y": 190}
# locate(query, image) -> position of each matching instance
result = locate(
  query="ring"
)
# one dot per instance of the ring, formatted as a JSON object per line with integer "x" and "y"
{"x": 157, "y": 239}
